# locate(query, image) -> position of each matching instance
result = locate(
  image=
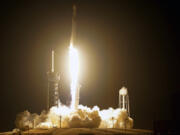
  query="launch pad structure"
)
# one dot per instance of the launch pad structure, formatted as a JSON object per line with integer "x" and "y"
{"x": 53, "y": 86}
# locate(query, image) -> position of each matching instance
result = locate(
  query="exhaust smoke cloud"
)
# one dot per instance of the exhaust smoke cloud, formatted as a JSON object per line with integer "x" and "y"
{"x": 67, "y": 117}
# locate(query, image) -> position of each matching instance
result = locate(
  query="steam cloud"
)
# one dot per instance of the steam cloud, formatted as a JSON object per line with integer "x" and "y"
{"x": 65, "y": 117}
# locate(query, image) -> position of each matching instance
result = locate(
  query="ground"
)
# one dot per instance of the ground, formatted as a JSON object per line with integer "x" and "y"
{"x": 82, "y": 131}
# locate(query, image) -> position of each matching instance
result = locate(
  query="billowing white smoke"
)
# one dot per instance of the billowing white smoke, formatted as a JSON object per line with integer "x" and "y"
{"x": 65, "y": 117}
{"x": 85, "y": 117}
{"x": 115, "y": 118}
{"x": 26, "y": 120}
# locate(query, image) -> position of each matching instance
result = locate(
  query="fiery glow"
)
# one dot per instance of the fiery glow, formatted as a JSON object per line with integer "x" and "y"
{"x": 45, "y": 125}
{"x": 76, "y": 115}
{"x": 74, "y": 69}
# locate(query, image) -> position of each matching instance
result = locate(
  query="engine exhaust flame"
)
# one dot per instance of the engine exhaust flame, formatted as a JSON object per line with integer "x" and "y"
{"x": 74, "y": 69}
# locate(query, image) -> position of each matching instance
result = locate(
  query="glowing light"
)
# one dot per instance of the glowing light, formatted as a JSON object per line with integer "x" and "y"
{"x": 74, "y": 69}
{"x": 45, "y": 125}
{"x": 61, "y": 110}
{"x": 123, "y": 91}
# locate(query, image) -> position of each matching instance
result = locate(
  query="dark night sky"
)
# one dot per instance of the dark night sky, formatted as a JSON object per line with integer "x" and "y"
{"x": 132, "y": 44}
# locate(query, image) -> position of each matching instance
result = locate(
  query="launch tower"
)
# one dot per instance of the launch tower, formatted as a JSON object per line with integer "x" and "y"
{"x": 53, "y": 82}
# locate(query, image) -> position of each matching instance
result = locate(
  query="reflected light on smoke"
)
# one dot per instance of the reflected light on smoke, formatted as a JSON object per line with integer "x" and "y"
{"x": 63, "y": 116}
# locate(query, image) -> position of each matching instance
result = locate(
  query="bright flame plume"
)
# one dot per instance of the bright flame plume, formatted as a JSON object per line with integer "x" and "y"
{"x": 74, "y": 69}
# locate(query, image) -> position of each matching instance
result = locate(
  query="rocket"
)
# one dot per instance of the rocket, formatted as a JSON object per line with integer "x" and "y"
{"x": 75, "y": 91}
{"x": 73, "y": 33}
